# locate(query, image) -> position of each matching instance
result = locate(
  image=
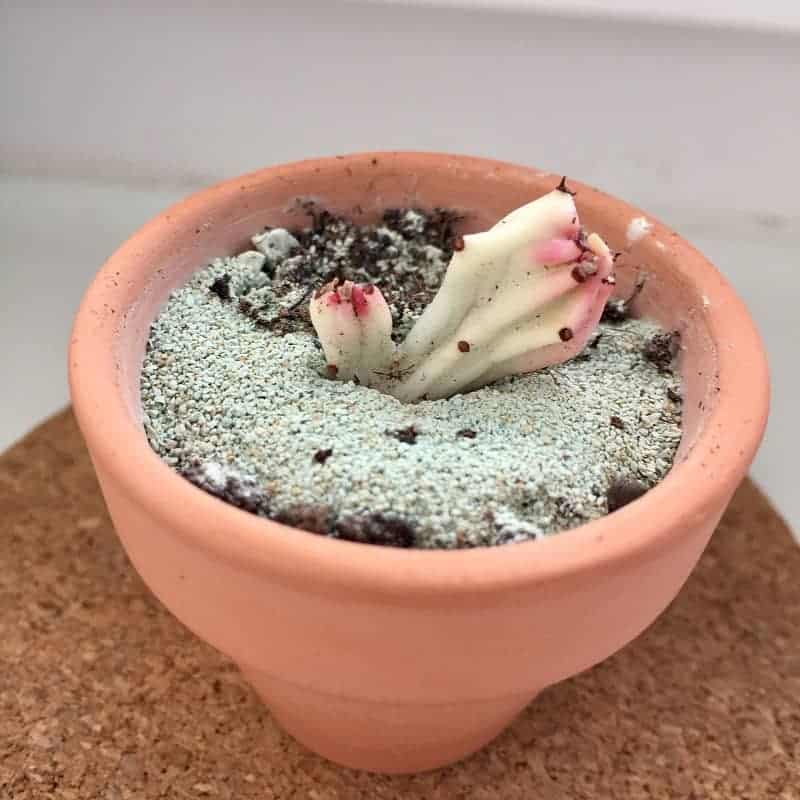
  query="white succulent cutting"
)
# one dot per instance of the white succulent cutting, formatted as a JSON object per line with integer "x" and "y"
{"x": 520, "y": 296}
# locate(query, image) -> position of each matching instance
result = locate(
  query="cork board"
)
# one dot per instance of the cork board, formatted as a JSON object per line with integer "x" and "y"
{"x": 104, "y": 695}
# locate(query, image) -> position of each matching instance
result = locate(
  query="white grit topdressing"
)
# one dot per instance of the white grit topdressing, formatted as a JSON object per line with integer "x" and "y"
{"x": 237, "y": 405}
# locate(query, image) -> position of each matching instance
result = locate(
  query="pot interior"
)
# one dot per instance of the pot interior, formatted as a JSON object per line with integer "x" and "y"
{"x": 220, "y": 222}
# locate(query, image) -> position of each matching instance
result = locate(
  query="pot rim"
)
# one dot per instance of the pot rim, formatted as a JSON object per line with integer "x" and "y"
{"x": 691, "y": 490}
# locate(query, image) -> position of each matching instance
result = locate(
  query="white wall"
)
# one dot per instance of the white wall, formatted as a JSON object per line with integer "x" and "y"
{"x": 116, "y": 107}
{"x": 182, "y": 95}
{"x": 769, "y": 15}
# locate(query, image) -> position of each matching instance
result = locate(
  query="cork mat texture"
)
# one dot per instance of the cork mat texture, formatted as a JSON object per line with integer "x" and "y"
{"x": 104, "y": 695}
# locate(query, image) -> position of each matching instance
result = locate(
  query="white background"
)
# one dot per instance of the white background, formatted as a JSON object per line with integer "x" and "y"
{"x": 112, "y": 110}
{"x": 765, "y": 14}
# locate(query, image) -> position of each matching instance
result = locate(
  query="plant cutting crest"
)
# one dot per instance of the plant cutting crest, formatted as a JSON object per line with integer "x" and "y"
{"x": 523, "y": 295}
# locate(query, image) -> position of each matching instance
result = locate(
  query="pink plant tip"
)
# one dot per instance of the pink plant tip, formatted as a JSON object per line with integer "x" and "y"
{"x": 523, "y": 295}
{"x": 354, "y": 326}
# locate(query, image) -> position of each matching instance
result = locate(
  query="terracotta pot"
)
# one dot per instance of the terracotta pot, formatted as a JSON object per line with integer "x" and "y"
{"x": 385, "y": 659}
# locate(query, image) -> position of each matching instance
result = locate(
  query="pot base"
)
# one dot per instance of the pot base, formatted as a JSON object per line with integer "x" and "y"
{"x": 387, "y": 738}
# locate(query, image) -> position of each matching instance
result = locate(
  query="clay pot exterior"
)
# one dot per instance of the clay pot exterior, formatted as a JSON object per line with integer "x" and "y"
{"x": 394, "y": 660}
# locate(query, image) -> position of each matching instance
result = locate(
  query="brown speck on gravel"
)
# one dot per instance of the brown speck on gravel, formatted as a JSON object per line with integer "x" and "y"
{"x": 221, "y": 287}
{"x": 623, "y": 491}
{"x": 406, "y": 435}
{"x": 321, "y": 456}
